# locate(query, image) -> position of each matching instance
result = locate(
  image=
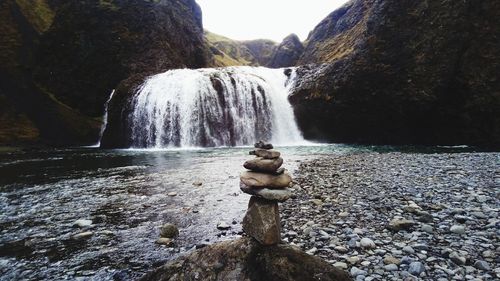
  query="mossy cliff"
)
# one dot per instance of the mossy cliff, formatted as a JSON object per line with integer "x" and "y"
{"x": 59, "y": 60}
{"x": 400, "y": 72}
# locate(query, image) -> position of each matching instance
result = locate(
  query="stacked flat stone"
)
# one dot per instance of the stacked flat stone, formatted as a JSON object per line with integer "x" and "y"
{"x": 268, "y": 183}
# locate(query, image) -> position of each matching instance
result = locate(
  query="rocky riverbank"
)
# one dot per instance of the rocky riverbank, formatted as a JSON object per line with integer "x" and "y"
{"x": 399, "y": 216}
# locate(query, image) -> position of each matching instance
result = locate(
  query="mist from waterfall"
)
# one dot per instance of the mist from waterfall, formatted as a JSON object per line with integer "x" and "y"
{"x": 231, "y": 106}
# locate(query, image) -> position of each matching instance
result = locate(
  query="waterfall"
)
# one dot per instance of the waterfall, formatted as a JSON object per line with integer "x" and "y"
{"x": 104, "y": 118}
{"x": 230, "y": 106}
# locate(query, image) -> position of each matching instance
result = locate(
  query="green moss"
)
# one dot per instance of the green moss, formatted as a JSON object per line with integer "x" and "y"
{"x": 38, "y": 13}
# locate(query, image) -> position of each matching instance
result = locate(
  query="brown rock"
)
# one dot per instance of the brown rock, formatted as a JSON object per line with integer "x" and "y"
{"x": 398, "y": 224}
{"x": 266, "y": 153}
{"x": 262, "y": 221}
{"x": 260, "y": 164}
{"x": 254, "y": 179}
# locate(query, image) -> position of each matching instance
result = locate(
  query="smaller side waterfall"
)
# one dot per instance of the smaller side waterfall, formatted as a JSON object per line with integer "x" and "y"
{"x": 214, "y": 107}
{"x": 105, "y": 118}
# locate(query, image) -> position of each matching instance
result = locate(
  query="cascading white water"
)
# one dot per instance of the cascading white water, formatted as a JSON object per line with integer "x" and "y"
{"x": 214, "y": 107}
{"x": 104, "y": 118}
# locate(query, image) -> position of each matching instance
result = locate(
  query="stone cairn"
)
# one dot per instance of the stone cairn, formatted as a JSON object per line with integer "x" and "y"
{"x": 267, "y": 182}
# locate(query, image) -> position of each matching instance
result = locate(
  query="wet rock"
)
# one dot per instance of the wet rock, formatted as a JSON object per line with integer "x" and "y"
{"x": 279, "y": 195}
{"x": 83, "y": 235}
{"x": 262, "y": 221}
{"x": 266, "y": 154}
{"x": 82, "y": 223}
{"x": 245, "y": 259}
{"x": 169, "y": 231}
{"x": 254, "y": 179}
{"x": 263, "y": 145}
{"x": 260, "y": 164}
{"x": 398, "y": 224}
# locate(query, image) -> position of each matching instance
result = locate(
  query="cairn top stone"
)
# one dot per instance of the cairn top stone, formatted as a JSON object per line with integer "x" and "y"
{"x": 263, "y": 145}
{"x": 260, "y": 164}
{"x": 265, "y": 153}
{"x": 259, "y": 180}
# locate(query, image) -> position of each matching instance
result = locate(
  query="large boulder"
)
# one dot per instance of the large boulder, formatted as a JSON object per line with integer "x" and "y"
{"x": 245, "y": 259}
{"x": 399, "y": 72}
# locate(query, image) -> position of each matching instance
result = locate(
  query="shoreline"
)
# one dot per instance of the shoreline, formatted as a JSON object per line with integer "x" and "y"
{"x": 451, "y": 202}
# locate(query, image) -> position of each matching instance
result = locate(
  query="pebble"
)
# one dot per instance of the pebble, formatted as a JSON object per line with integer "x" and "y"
{"x": 223, "y": 226}
{"x": 415, "y": 268}
{"x": 82, "y": 223}
{"x": 173, "y": 193}
{"x": 457, "y": 259}
{"x": 164, "y": 241}
{"x": 458, "y": 229}
{"x": 391, "y": 267}
{"x": 362, "y": 193}
{"x": 367, "y": 243}
{"x": 341, "y": 265}
{"x": 356, "y": 271}
{"x": 482, "y": 265}
{"x": 83, "y": 235}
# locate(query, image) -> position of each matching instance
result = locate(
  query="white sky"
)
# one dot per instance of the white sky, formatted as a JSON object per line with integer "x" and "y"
{"x": 265, "y": 19}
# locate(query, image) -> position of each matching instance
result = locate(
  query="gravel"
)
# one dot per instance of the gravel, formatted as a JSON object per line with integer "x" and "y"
{"x": 343, "y": 206}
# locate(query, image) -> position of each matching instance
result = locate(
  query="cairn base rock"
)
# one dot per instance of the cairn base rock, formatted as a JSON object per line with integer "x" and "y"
{"x": 262, "y": 221}
{"x": 245, "y": 259}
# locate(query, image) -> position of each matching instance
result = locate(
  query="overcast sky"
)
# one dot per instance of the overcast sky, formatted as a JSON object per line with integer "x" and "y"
{"x": 269, "y": 19}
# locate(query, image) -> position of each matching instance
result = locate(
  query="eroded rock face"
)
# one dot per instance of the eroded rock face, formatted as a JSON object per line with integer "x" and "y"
{"x": 395, "y": 72}
{"x": 245, "y": 259}
{"x": 262, "y": 221}
{"x": 60, "y": 60}
{"x": 255, "y": 179}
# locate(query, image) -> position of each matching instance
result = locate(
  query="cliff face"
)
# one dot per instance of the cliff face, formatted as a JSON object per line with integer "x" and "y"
{"x": 59, "y": 60}
{"x": 287, "y": 53}
{"x": 393, "y": 71}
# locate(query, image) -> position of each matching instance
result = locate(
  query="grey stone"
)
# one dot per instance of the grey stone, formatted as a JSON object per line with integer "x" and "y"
{"x": 367, "y": 243}
{"x": 391, "y": 267}
{"x": 458, "y": 229}
{"x": 454, "y": 257}
{"x": 280, "y": 195}
{"x": 83, "y": 235}
{"x": 416, "y": 268}
{"x": 262, "y": 221}
{"x": 482, "y": 265}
